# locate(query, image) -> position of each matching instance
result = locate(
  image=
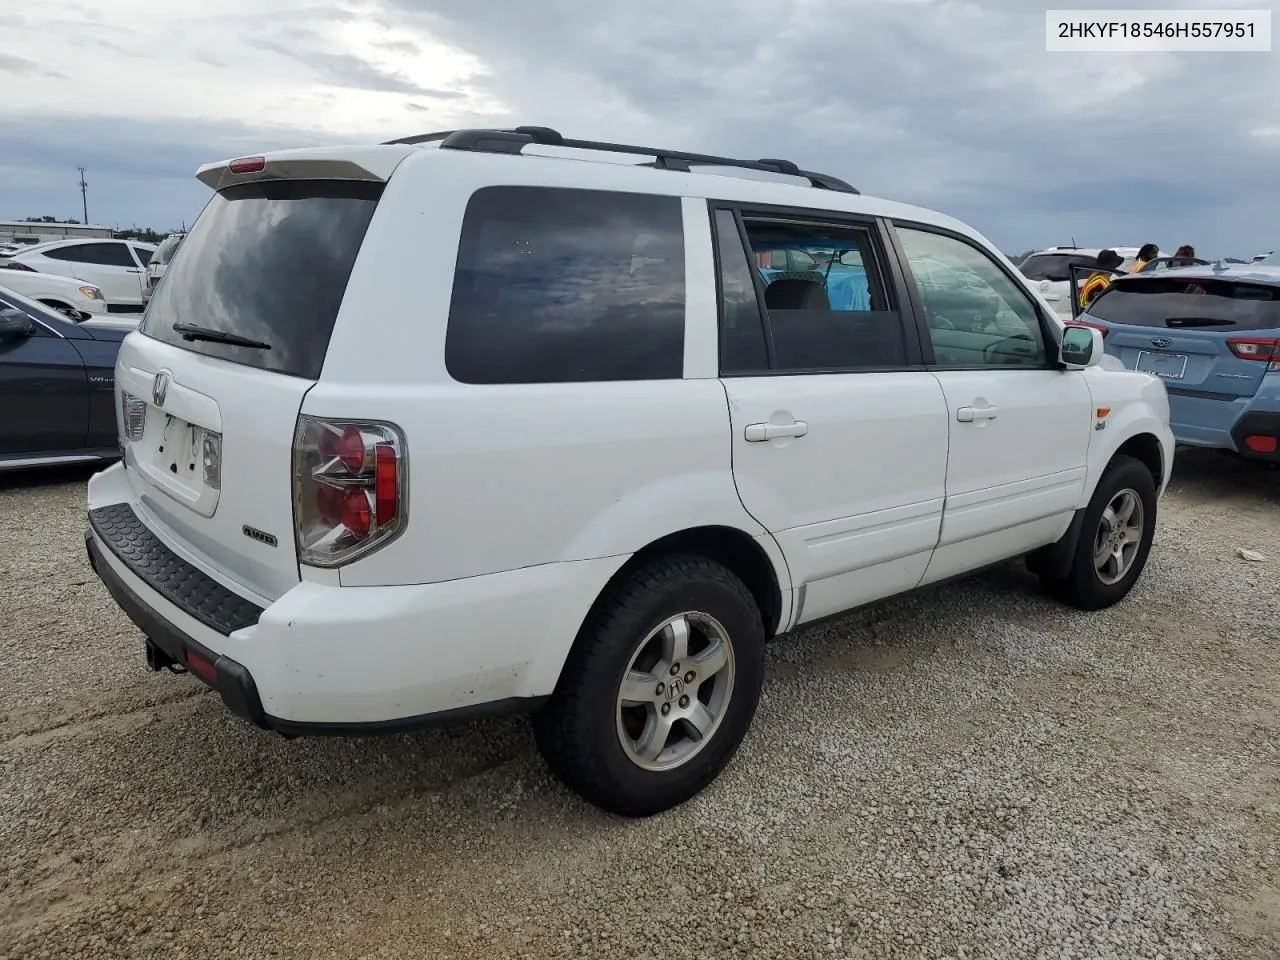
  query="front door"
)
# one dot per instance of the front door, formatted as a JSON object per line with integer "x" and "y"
{"x": 43, "y": 393}
{"x": 839, "y": 436}
{"x": 1019, "y": 426}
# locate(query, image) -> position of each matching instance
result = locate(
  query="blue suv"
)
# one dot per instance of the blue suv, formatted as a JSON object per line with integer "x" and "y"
{"x": 1212, "y": 333}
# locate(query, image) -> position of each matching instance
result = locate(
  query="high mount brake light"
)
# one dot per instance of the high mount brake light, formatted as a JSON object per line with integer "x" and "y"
{"x": 248, "y": 165}
{"x": 350, "y": 488}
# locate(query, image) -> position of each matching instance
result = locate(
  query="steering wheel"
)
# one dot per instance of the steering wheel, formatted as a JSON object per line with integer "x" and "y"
{"x": 1006, "y": 345}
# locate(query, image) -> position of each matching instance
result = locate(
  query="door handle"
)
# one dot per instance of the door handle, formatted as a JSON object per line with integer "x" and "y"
{"x": 970, "y": 414}
{"x": 759, "y": 432}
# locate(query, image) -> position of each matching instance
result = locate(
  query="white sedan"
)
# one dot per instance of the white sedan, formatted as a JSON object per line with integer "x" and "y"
{"x": 60, "y": 293}
{"x": 114, "y": 266}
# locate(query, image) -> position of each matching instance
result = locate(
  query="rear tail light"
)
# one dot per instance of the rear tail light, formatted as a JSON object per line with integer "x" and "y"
{"x": 349, "y": 488}
{"x": 1091, "y": 326}
{"x": 1263, "y": 350}
{"x": 135, "y": 417}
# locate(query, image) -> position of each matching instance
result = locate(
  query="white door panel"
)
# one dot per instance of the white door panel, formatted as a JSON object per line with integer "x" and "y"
{"x": 1019, "y": 441}
{"x": 862, "y": 486}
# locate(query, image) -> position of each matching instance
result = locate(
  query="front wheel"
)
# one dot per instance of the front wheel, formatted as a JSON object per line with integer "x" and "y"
{"x": 1115, "y": 538}
{"x": 659, "y": 689}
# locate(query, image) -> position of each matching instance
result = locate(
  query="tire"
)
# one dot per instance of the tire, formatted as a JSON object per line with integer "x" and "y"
{"x": 1088, "y": 585}
{"x": 596, "y": 744}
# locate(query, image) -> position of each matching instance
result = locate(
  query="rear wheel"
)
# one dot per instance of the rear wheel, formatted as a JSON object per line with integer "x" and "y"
{"x": 659, "y": 690}
{"x": 1115, "y": 538}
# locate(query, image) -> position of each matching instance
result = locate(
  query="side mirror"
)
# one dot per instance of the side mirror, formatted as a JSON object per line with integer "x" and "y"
{"x": 15, "y": 323}
{"x": 1081, "y": 347}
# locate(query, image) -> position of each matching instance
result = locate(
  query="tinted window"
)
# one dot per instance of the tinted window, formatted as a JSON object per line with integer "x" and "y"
{"x": 826, "y": 306}
{"x": 106, "y": 254}
{"x": 1209, "y": 303}
{"x": 73, "y": 253}
{"x": 976, "y": 314}
{"x": 143, "y": 254}
{"x": 1054, "y": 267}
{"x": 742, "y": 341}
{"x": 164, "y": 253}
{"x": 559, "y": 285}
{"x": 268, "y": 261}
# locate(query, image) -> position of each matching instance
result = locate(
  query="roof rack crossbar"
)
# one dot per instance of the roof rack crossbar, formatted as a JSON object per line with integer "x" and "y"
{"x": 514, "y": 141}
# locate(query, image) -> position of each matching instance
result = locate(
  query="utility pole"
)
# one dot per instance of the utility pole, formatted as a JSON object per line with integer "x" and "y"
{"x": 84, "y": 196}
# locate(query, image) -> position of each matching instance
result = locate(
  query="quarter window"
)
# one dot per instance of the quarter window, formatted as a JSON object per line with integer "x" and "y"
{"x": 977, "y": 316}
{"x": 561, "y": 285}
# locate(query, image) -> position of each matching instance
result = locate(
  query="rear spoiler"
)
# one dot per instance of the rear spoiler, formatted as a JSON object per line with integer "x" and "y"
{"x": 248, "y": 169}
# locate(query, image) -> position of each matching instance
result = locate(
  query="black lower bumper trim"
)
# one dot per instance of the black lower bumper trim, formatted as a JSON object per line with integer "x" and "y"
{"x": 1256, "y": 424}
{"x": 233, "y": 681}
{"x": 237, "y": 688}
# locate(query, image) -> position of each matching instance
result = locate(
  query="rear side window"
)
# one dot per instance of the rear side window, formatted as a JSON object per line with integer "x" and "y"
{"x": 71, "y": 254}
{"x": 826, "y": 306}
{"x": 561, "y": 285}
{"x": 267, "y": 262}
{"x": 1208, "y": 303}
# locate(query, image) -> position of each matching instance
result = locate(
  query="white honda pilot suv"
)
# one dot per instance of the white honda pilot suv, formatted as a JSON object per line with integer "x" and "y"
{"x": 442, "y": 427}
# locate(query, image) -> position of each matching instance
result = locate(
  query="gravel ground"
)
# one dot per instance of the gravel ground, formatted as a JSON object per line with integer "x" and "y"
{"x": 969, "y": 772}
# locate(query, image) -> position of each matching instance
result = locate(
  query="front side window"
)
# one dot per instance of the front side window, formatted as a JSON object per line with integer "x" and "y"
{"x": 559, "y": 285}
{"x": 827, "y": 308}
{"x": 977, "y": 316}
{"x": 143, "y": 254}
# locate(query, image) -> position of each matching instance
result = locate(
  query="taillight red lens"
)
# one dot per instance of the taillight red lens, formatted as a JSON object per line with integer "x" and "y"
{"x": 349, "y": 488}
{"x": 248, "y": 165}
{"x": 351, "y": 449}
{"x": 1248, "y": 348}
{"x": 356, "y": 515}
{"x": 386, "y": 482}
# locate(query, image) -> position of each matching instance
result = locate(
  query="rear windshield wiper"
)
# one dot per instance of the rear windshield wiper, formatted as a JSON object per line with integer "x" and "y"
{"x": 190, "y": 331}
{"x": 1198, "y": 322}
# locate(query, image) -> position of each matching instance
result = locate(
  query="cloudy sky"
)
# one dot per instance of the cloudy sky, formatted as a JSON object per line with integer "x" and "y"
{"x": 955, "y": 105}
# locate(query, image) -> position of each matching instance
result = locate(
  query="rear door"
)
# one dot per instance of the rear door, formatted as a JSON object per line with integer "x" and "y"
{"x": 1019, "y": 427}
{"x": 839, "y": 434}
{"x": 1191, "y": 331}
{"x": 111, "y": 267}
{"x": 268, "y": 263}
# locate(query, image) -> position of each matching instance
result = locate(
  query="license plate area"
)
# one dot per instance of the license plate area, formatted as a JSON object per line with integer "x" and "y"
{"x": 1170, "y": 366}
{"x": 182, "y": 459}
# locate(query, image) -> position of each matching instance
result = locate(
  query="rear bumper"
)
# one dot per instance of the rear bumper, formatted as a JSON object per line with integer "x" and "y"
{"x": 1251, "y": 433}
{"x": 326, "y": 659}
{"x": 1225, "y": 423}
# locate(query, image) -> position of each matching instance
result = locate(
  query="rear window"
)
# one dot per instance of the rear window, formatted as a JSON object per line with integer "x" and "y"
{"x": 558, "y": 285}
{"x": 268, "y": 262}
{"x": 164, "y": 253}
{"x": 1190, "y": 302}
{"x": 1053, "y": 266}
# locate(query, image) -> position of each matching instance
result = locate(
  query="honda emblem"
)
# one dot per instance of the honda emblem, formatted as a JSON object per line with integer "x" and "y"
{"x": 159, "y": 389}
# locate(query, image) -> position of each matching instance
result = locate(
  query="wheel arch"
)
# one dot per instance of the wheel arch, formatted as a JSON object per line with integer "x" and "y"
{"x": 733, "y": 549}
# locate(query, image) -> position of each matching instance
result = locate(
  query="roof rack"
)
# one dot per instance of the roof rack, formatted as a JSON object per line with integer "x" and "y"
{"x": 514, "y": 142}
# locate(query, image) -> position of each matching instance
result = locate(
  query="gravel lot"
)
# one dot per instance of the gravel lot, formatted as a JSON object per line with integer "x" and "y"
{"x": 969, "y": 772}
